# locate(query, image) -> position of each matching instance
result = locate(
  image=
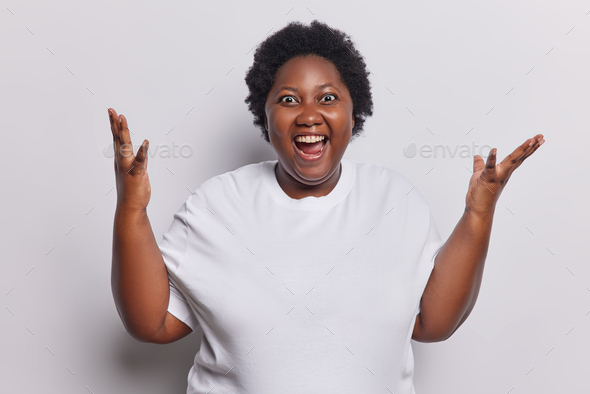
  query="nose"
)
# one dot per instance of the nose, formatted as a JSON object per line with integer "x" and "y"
{"x": 309, "y": 115}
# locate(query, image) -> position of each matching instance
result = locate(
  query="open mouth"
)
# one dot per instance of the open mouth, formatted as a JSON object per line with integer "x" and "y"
{"x": 310, "y": 146}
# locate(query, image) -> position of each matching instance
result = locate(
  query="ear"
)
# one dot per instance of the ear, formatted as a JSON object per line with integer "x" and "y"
{"x": 266, "y": 128}
{"x": 353, "y": 121}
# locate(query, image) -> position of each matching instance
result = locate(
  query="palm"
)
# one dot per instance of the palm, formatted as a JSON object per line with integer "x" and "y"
{"x": 488, "y": 179}
{"x": 133, "y": 186}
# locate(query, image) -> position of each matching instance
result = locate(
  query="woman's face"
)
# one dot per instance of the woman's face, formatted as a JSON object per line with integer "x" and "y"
{"x": 308, "y": 98}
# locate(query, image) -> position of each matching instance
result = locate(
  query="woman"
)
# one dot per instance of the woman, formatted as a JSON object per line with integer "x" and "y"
{"x": 310, "y": 273}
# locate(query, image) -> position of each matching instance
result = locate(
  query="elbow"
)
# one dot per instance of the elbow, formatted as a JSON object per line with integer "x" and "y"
{"x": 140, "y": 336}
{"x": 431, "y": 337}
{"x": 429, "y": 333}
{"x": 142, "y": 333}
{"x": 428, "y": 330}
{"x": 444, "y": 334}
{"x": 138, "y": 332}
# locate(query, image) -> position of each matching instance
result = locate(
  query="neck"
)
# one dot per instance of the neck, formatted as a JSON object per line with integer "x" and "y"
{"x": 298, "y": 190}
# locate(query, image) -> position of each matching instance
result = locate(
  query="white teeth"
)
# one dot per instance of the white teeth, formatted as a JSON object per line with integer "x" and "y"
{"x": 309, "y": 139}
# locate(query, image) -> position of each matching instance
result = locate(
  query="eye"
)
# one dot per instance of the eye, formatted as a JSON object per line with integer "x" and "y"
{"x": 287, "y": 99}
{"x": 330, "y": 97}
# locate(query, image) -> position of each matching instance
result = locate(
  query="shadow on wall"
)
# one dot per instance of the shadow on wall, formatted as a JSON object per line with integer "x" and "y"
{"x": 166, "y": 366}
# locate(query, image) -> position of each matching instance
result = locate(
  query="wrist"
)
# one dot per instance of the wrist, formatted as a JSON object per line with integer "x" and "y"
{"x": 480, "y": 214}
{"x": 129, "y": 209}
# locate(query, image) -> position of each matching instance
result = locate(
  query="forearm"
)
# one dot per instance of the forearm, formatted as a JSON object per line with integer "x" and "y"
{"x": 139, "y": 278}
{"x": 454, "y": 284}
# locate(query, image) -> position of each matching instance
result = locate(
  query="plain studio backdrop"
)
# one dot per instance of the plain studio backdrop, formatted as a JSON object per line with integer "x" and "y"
{"x": 455, "y": 78}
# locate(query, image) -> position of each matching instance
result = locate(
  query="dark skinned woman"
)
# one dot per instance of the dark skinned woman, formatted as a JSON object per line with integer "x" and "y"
{"x": 312, "y": 272}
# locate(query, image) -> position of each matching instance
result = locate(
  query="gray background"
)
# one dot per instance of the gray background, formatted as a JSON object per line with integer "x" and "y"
{"x": 451, "y": 74}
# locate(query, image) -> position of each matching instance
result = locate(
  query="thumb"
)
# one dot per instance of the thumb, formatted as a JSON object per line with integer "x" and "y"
{"x": 478, "y": 163}
{"x": 141, "y": 157}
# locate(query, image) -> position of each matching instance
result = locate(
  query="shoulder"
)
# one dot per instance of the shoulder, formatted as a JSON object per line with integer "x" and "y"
{"x": 378, "y": 178}
{"x": 233, "y": 184}
{"x": 376, "y": 175}
{"x": 244, "y": 174}
{"x": 372, "y": 172}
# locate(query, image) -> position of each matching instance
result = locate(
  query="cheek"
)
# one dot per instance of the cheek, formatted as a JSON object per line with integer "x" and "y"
{"x": 280, "y": 120}
{"x": 276, "y": 128}
{"x": 339, "y": 120}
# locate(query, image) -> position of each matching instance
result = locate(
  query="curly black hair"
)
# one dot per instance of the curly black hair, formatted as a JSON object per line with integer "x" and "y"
{"x": 319, "y": 39}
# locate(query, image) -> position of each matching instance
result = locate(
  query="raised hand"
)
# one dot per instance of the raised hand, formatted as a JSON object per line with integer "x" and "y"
{"x": 133, "y": 185}
{"x": 489, "y": 180}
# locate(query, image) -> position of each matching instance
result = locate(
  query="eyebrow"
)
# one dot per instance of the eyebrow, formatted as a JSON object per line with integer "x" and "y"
{"x": 318, "y": 87}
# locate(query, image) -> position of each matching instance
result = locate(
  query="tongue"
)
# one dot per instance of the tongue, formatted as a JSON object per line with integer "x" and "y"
{"x": 310, "y": 148}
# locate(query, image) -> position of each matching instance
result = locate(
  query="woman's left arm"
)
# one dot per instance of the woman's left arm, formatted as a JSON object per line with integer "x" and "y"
{"x": 454, "y": 283}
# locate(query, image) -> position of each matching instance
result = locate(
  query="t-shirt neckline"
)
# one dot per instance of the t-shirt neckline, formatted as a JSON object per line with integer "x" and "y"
{"x": 308, "y": 203}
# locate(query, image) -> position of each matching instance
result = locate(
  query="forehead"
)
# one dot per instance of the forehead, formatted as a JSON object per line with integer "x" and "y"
{"x": 307, "y": 69}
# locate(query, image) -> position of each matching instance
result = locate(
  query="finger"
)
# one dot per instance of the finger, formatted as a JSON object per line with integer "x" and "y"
{"x": 513, "y": 157}
{"x": 125, "y": 137}
{"x": 125, "y": 154}
{"x": 141, "y": 157}
{"x": 489, "y": 172}
{"x": 513, "y": 160}
{"x": 111, "y": 124}
{"x": 532, "y": 149}
{"x": 126, "y": 148}
{"x": 114, "y": 123}
{"x": 115, "y": 132}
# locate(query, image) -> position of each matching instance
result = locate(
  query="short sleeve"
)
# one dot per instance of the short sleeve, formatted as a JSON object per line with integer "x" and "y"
{"x": 179, "y": 307}
{"x": 432, "y": 246}
{"x": 174, "y": 246}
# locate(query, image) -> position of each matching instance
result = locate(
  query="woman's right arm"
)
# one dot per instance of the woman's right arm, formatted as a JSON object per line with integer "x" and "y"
{"x": 139, "y": 279}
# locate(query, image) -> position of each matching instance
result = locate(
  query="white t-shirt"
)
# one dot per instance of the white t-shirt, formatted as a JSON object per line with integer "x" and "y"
{"x": 316, "y": 295}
